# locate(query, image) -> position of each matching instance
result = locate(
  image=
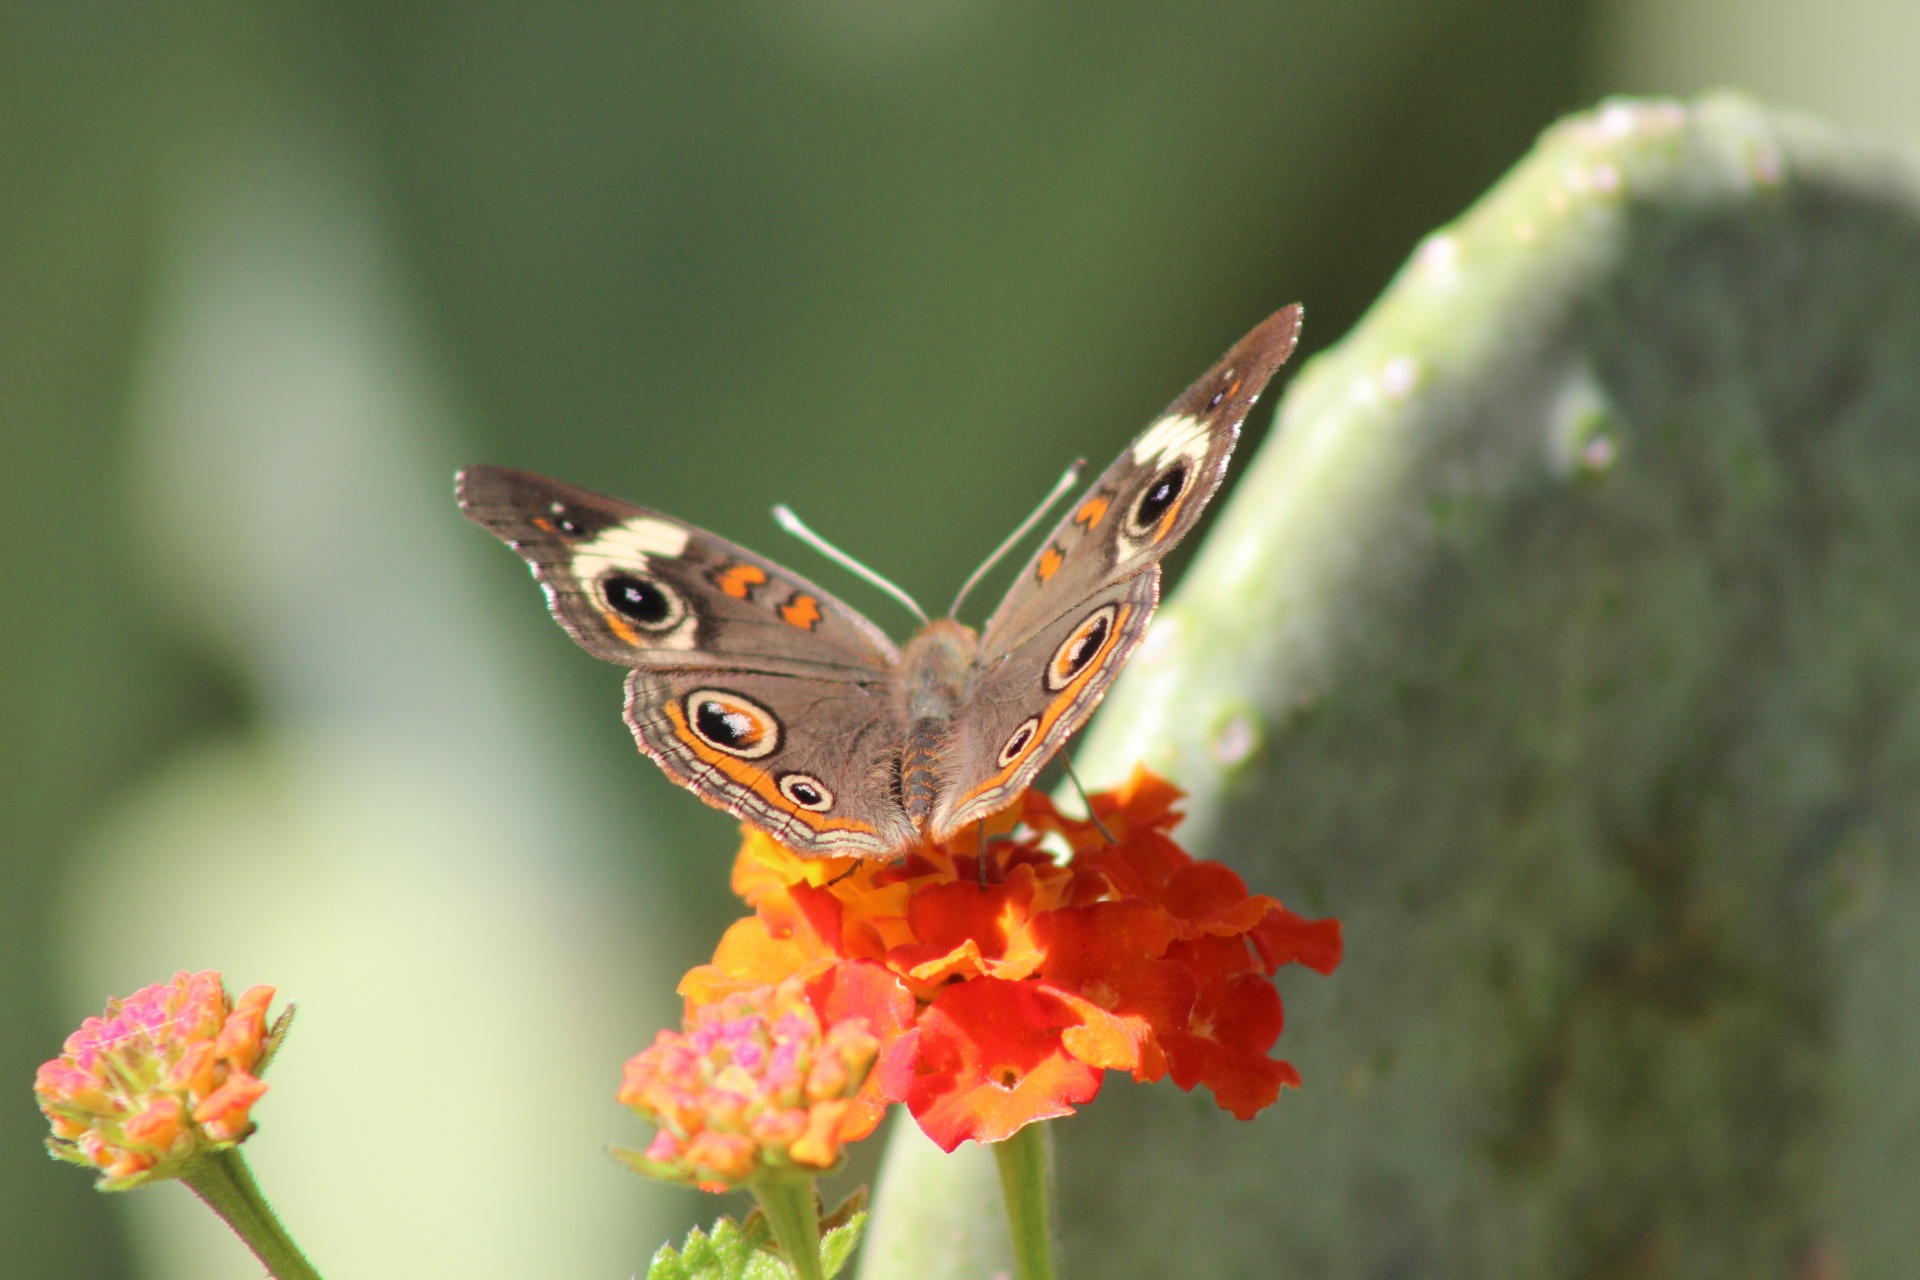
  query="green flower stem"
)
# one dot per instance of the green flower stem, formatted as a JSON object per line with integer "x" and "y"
{"x": 1026, "y": 1175}
{"x": 793, "y": 1211}
{"x": 225, "y": 1183}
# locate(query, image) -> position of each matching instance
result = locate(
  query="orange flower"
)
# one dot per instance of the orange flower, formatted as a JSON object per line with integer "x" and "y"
{"x": 764, "y": 1079}
{"x": 164, "y": 1076}
{"x": 1130, "y": 956}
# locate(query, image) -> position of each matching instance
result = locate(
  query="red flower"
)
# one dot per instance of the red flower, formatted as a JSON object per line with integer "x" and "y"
{"x": 998, "y": 1006}
{"x": 863, "y": 990}
{"x": 1236, "y": 1018}
{"x": 1107, "y": 954}
{"x": 963, "y": 931}
{"x": 992, "y": 1061}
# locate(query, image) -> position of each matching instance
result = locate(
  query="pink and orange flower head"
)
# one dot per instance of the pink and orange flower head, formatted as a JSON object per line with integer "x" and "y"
{"x": 761, "y": 1080}
{"x": 995, "y": 1007}
{"x": 166, "y": 1075}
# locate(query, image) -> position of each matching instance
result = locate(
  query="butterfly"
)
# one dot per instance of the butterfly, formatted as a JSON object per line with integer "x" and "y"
{"x": 767, "y": 697}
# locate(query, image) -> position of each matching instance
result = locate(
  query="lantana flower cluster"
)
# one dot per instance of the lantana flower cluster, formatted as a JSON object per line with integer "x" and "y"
{"x": 997, "y": 1006}
{"x": 754, "y": 1083}
{"x": 164, "y": 1076}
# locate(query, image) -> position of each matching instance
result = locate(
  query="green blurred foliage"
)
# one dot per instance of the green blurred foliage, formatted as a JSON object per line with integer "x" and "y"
{"x": 891, "y": 263}
{"x": 1561, "y": 644}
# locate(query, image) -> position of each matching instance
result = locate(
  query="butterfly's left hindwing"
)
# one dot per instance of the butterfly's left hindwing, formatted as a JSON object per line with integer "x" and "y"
{"x": 813, "y": 763}
{"x": 752, "y": 687}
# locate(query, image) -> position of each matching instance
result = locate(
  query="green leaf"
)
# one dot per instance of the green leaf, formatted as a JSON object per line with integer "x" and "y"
{"x": 852, "y": 1207}
{"x": 638, "y": 1162}
{"x": 745, "y": 1250}
{"x": 667, "y": 1265}
{"x": 837, "y": 1244}
{"x": 723, "y": 1254}
{"x": 276, "y": 1036}
{"x": 1557, "y": 640}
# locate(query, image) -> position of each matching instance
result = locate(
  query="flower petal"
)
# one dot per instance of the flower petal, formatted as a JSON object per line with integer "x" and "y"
{"x": 750, "y": 955}
{"x": 963, "y": 930}
{"x": 1242, "y": 1083}
{"x": 992, "y": 1062}
{"x": 1285, "y": 938}
{"x": 862, "y": 989}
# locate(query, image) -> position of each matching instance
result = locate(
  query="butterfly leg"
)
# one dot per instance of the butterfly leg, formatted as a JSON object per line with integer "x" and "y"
{"x": 895, "y": 863}
{"x": 987, "y": 842}
{"x": 1092, "y": 817}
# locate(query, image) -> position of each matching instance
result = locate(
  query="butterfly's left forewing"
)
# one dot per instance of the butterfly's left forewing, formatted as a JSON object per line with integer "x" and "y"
{"x": 752, "y": 687}
{"x": 645, "y": 590}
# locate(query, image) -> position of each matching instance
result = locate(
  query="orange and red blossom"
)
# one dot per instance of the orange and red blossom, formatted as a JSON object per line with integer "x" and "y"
{"x": 761, "y": 1079}
{"x": 1132, "y": 956}
{"x": 164, "y": 1076}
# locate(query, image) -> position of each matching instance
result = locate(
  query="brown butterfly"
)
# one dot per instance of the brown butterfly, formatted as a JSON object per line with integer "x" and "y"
{"x": 766, "y": 697}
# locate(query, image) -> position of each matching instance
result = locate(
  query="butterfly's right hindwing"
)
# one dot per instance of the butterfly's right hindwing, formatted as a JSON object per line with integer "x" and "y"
{"x": 648, "y": 591}
{"x": 1027, "y": 704}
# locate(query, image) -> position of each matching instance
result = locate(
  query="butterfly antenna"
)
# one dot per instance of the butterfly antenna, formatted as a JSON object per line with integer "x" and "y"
{"x": 1060, "y": 486}
{"x": 792, "y": 524}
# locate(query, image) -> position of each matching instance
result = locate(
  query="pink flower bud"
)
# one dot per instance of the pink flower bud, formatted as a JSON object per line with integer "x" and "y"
{"x": 164, "y": 1076}
{"x": 752, "y": 1083}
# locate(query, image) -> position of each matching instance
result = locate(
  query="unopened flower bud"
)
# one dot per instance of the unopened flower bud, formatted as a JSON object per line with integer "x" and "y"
{"x": 753, "y": 1083}
{"x": 164, "y": 1076}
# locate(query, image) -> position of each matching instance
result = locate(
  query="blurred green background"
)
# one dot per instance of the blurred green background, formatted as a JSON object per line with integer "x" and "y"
{"x": 268, "y": 275}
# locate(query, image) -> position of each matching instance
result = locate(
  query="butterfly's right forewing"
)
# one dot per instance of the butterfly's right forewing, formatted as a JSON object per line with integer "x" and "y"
{"x": 1152, "y": 494}
{"x": 1080, "y": 607}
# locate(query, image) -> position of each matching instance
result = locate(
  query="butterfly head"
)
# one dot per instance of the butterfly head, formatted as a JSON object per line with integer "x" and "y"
{"x": 934, "y": 669}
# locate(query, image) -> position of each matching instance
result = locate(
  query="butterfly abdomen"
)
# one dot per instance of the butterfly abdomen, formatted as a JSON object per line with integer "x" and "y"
{"x": 920, "y": 767}
{"x": 934, "y": 671}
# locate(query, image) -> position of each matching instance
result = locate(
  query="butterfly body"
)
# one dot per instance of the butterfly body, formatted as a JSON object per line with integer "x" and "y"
{"x": 936, "y": 680}
{"x": 768, "y": 697}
